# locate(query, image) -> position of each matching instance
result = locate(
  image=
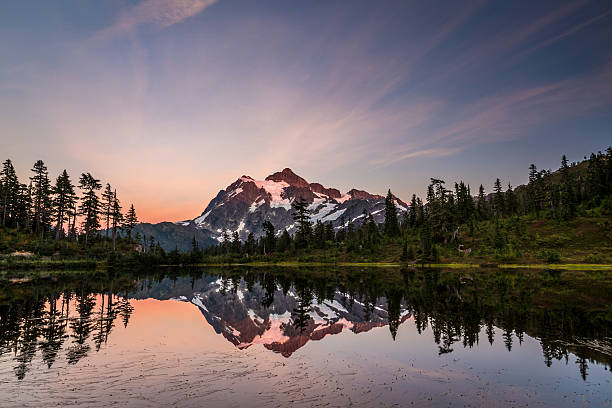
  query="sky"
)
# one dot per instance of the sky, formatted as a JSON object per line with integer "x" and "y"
{"x": 171, "y": 101}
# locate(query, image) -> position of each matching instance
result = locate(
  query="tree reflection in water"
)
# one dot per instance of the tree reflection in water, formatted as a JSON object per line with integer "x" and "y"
{"x": 567, "y": 312}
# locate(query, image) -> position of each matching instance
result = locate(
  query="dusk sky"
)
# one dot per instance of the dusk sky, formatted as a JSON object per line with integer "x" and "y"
{"x": 172, "y": 101}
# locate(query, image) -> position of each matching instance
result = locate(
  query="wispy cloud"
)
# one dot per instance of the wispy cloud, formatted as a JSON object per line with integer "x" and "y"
{"x": 162, "y": 13}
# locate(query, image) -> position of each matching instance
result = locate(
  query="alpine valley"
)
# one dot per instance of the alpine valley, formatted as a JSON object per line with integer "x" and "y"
{"x": 247, "y": 203}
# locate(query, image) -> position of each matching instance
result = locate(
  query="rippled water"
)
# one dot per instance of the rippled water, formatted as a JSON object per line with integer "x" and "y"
{"x": 254, "y": 337}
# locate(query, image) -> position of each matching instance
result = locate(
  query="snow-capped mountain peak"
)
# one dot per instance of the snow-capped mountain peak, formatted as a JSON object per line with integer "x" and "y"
{"x": 247, "y": 203}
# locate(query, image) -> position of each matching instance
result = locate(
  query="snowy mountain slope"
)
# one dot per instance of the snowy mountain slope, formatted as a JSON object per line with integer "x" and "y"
{"x": 247, "y": 203}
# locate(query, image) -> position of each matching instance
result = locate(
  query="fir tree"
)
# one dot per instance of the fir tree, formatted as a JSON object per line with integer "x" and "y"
{"x": 64, "y": 199}
{"x": 329, "y": 231}
{"x": 482, "y": 206}
{"x": 301, "y": 216}
{"x": 41, "y": 193}
{"x": 567, "y": 189}
{"x": 106, "y": 206}
{"x": 498, "y": 198}
{"x": 236, "y": 243}
{"x": 90, "y": 204}
{"x": 269, "y": 238}
{"x": 391, "y": 225}
{"x": 284, "y": 242}
{"x": 116, "y": 218}
{"x": 250, "y": 244}
{"x": 412, "y": 212}
{"x": 131, "y": 220}
{"x": 510, "y": 200}
{"x": 319, "y": 235}
{"x": 10, "y": 190}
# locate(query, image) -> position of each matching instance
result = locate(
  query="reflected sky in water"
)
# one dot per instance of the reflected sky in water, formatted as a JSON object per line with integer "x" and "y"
{"x": 264, "y": 338}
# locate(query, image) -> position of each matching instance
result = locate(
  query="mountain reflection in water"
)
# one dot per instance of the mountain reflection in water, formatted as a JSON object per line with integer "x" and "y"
{"x": 73, "y": 316}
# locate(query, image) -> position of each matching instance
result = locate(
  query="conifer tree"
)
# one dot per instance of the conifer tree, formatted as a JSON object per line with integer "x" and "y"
{"x": 498, "y": 198}
{"x": 64, "y": 199}
{"x": 106, "y": 206}
{"x": 412, "y": 212}
{"x": 116, "y": 218}
{"x": 319, "y": 235}
{"x": 329, "y": 231}
{"x": 269, "y": 238}
{"x": 301, "y": 216}
{"x": 131, "y": 220}
{"x": 481, "y": 206}
{"x": 41, "y": 191}
{"x": 90, "y": 204}
{"x": 236, "y": 243}
{"x": 510, "y": 201}
{"x": 23, "y": 205}
{"x": 567, "y": 189}
{"x": 250, "y": 244}
{"x": 225, "y": 241}
{"x": 284, "y": 242}
{"x": 10, "y": 190}
{"x": 391, "y": 226}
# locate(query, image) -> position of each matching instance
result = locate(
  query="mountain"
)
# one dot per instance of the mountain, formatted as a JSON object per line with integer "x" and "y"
{"x": 247, "y": 203}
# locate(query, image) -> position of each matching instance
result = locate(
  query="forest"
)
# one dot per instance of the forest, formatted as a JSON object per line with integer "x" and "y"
{"x": 456, "y": 223}
{"x": 561, "y": 215}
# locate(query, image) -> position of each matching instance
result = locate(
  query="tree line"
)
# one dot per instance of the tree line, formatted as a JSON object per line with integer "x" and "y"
{"x": 50, "y": 209}
{"x": 437, "y": 220}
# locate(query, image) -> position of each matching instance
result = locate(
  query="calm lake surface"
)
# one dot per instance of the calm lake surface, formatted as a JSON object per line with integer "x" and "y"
{"x": 307, "y": 337}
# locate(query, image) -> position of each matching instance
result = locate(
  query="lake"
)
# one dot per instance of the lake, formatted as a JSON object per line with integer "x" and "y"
{"x": 307, "y": 337}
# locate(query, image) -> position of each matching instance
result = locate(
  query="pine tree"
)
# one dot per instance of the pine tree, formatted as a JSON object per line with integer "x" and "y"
{"x": 482, "y": 207}
{"x": 106, "y": 206}
{"x": 41, "y": 193}
{"x": 64, "y": 199}
{"x": 391, "y": 225}
{"x": 301, "y": 216}
{"x": 567, "y": 189}
{"x": 116, "y": 218}
{"x": 534, "y": 192}
{"x": 510, "y": 200}
{"x": 90, "y": 204}
{"x": 236, "y": 243}
{"x": 412, "y": 212}
{"x": 498, "y": 198}
{"x": 10, "y": 190}
{"x": 269, "y": 238}
{"x": 225, "y": 241}
{"x": 23, "y": 205}
{"x": 250, "y": 244}
{"x": 130, "y": 221}
{"x": 319, "y": 235}
{"x": 284, "y": 242}
{"x": 329, "y": 231}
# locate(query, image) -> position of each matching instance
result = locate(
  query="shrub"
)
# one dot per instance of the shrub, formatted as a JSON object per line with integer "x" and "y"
{"x": 595, "y": 258}
{"x": 550, "y": 256}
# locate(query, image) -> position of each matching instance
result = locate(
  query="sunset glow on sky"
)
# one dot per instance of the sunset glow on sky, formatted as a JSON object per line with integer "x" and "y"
{"x": 172, "y": 101}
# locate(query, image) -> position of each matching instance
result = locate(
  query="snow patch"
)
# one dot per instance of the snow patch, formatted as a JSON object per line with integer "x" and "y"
{"x": 275, "y": 189}
{"x": 234, "y": 192}
{"x": 198, "y": 302}
{"x": 201, "y": 218}
{"x": 240, "y": 226}
{"x": 256, "y": 205}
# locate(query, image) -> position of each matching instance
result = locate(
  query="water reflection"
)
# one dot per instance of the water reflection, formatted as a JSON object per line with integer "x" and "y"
{"x": 285, "y": 309}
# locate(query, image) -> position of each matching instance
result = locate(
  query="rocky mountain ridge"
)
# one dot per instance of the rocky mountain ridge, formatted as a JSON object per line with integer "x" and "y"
{"x": 247, "y": 203}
